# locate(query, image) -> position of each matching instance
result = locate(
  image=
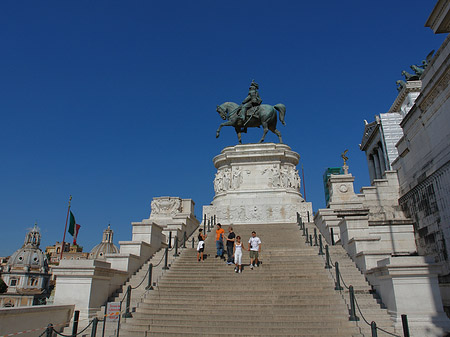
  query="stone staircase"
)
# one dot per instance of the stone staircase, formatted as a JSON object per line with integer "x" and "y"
{"x": 138, "y": 281}
{"x": 290, "y": 294}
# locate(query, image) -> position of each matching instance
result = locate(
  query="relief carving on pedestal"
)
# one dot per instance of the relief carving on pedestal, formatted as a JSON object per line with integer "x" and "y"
{"x": 274, "y": 175}
{"x": 287, "y": 177}
{"x": 237, "y": 177}
{"x": 225, "y": 181}
{"x": 165, "y": 206}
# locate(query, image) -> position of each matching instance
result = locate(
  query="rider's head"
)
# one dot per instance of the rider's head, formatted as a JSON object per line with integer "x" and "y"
{"x": 254, "y": 84}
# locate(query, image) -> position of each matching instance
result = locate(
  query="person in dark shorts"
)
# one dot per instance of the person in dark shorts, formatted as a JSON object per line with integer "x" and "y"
{"x": 220, "y": 233}
{"x": 230, "y": 245}
{"x": 254, "y": 246}
{"x": 200, "y": 245}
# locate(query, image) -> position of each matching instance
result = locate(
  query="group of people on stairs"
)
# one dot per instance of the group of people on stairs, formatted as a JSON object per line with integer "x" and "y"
{"x": 234, "y": 245}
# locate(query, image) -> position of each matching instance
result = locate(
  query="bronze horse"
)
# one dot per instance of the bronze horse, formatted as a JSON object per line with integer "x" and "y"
{"x": 267, "y": 118}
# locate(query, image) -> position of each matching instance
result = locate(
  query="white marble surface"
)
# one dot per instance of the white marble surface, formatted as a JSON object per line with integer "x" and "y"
{"x": 257, "y": 183}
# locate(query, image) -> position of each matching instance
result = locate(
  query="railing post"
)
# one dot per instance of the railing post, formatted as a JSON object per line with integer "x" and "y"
{"x": 127, "y": 313}
{"x": 176, "y": 246}
{"x": 327, "y": 258}
{"x": 209, "y": 226}
{"x": 320, "y": 245}
{"x": 184, "y": 239}
{"x": 332, "y": 236}
{"x": 304, "y": 230}
{"x": 373, "y": 327}
{"x": 76, "y": 316}
{"x": 214, "y": 220}
{"x": 94, "y": 327}
{"x": 193, "y": 242}
{"x": 338, "y": 277}
{"x": 315, "y": 237}
{"x": 104, "y": 320}
{"x": 310, "y": 240}
{"x": 170, "y": 239}
{"x": 165, "y": 259}
{"x": 49, "y": 330}
{"x": 150, "y": 272}
{"x": 308, "y": 217}
{"x": 204, "y": 223}
{"x": 307, "y": 236}
{"x": 405, "y": 326}
{"x": 212, "y": 223}
{"x": 353, "y": 316}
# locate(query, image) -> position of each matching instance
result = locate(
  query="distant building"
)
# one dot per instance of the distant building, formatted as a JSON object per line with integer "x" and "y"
{"x": 26, "y": 274}
{"x": 105, "y": 247}
{"x": 71, "y": 252}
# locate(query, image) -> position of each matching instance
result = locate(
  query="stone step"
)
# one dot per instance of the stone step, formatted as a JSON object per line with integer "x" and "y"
{"x": 230, "y": 328}
{"x": 282, "y": 307}
{"x": 295, "y": 294}
{"x": 228, "y": 334}
{"x": 221, "y": 322}
{"x": 245, "y": 316}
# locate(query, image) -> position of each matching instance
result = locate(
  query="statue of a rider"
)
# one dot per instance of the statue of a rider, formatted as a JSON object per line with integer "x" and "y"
{"x": 253, "y": 100}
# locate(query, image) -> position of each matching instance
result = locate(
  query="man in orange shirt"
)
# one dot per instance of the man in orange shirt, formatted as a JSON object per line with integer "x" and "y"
{"x": 220, "y": 233}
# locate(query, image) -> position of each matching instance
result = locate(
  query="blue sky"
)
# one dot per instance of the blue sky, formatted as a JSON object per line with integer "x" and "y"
{"x": 114, "y": 101}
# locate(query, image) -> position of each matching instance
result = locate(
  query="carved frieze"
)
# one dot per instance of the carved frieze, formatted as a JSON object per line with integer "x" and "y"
{"x": 168, "y": 206}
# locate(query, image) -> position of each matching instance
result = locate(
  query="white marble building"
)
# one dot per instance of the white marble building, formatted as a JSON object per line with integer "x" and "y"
{"x": 423, "y": 164}
{"x": 381, "y": 136}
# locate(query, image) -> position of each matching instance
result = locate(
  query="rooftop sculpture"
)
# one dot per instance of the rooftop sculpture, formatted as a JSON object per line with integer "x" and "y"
{"x": 251, "y": 113}
{"x": 418, "y": 71}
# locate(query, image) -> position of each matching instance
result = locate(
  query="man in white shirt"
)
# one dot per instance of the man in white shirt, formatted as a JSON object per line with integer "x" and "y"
{"x": 254, "y": 246}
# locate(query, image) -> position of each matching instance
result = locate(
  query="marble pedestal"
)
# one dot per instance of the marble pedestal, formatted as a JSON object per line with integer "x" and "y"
{"x": 257, "y": 183}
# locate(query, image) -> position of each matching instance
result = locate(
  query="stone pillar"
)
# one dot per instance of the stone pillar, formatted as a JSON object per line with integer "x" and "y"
{"x": 377, "y": 164}
{"x": 371, "y": 163}
{"x": 382, "y": 161}
{"x": 409, "y": 285}
{"x": 86, "y": 283}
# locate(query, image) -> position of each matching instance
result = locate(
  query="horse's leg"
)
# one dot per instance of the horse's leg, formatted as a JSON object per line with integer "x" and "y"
{"x": 275, "y": 131}
{"x": 265, "y": 132}
{"x": 278, "y": 133}
{"x": 238, "y": 132}
{"x": 227, "y": 123}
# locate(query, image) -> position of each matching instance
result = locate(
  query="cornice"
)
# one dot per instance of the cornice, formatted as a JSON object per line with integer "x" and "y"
{"x": 369, "y": 131}
{"x": 411, "y": 86}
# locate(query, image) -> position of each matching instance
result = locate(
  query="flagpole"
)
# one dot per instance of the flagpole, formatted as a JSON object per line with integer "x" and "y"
{"x": 65, "y": 229}
{"x": 304, "y": 185}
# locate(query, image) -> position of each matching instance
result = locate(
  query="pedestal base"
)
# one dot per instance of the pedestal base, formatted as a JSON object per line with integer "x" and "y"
{"x": 257, "y": 183}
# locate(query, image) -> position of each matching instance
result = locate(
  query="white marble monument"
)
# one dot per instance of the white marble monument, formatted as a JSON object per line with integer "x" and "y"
{"x": 257, "y": 183}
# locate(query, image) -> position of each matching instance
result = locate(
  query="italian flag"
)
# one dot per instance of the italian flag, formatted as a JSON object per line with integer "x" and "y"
{"x": 73, "y": 228}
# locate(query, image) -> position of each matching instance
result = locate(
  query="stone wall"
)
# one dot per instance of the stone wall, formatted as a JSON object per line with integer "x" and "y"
{"x": 428, "y": 205}
{"x": 14, "y": 320}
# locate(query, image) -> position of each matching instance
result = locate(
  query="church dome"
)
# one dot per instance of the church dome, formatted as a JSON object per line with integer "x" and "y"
{"x": 29, "y": 257}
{"x": 105, "y": 247}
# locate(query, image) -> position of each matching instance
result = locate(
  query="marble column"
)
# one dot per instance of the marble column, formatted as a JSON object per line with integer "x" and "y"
{"x": 381, "y": 159}
{"x": 377, "y": 164}
{"x": 371, "y": 163}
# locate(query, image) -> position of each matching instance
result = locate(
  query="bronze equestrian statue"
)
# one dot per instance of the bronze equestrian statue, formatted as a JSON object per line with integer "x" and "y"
{"x": 251, "y": 113}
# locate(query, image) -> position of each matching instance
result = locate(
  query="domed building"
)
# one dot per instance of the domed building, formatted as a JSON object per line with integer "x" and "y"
{"x": 26, "y": 274}
{"x": 105, "y": 247}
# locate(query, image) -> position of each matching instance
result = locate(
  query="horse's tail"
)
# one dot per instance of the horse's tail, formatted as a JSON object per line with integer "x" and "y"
{"x": 282, "y": 110}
